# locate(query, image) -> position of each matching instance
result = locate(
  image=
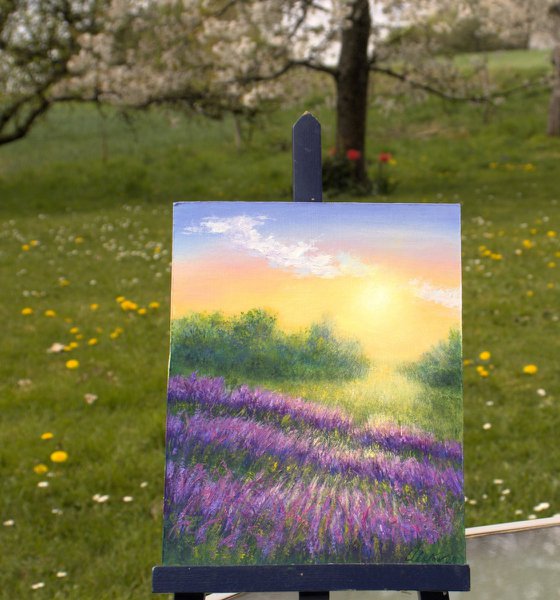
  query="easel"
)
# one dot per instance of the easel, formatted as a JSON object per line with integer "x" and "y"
{"x": 193, "y": 583}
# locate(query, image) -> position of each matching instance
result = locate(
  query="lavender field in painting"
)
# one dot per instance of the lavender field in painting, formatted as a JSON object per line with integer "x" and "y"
{"x": 256, "y": 477}
{"x": 314, "y": 409}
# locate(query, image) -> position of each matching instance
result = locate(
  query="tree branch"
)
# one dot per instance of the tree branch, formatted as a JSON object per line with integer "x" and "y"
{"x": 23, "y": 128}
{"x": 426, "y": 87}
{"x": 291, "y": 64}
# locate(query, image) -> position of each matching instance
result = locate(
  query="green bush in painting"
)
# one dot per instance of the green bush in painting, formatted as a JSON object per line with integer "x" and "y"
{"x": 441, "y": 366}
{"x": 252, "y": 345}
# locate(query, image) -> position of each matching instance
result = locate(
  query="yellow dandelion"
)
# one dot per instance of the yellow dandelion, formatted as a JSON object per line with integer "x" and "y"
{"x": 550, "y": 285}
{"x": 72, "y": 364}
{"x": 63, "y": 282}
{"x": 551, "y": 234}
{"x": 529, "y": 167}
{"x": 527, "y": 244}
{"x": 40, "y": 469}
{"x": 142, "y": 311}
{"x": 551, "y": 264}
{"x": 484, "y": 355}
{"x": 25, "y": 247}
{"x": 73, "y": 345}
{"x": 533, "y": 231}
{"x": 120, "y": 299}
{"x": 34, "y": 243}
{"x": 59, "y": 456}
{"x": 93, "y": 306}
{"x": 493, "y": 165}
{"x": 557, "y": 254}
{"x": 50, "y": 313}
{"x": 154, "y": 305}
{"x": 79, "y": 240}
{"x": 496, "y": 256}
{"x": 47, "y": 435}
{"x": 113, "y": 335}
{"x": 480, "y": 369}
{"x": 129, "y": 305}
{"x": 26, "y": 311}
{"x": 467, "y": 362}
{"x": 67, "y": 348}
{"x": 92, "y": 341}
{"x": 530, "y": 293}
{"x": 74, "y": 329}
{"x": 483, "y": 373}
{"x": 530, "y": 369}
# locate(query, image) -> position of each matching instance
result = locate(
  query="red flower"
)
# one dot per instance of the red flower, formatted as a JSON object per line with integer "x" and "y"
{"x": 385, "y": 157}
{"x": 353, "y": 154}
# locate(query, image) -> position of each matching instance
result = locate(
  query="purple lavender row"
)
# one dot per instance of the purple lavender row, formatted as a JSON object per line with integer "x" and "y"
{"x": 312, "y": 519}
{"x": 212, "y": 393}
{"x": 395, "y": 438}
{"x": 258, "y": 440}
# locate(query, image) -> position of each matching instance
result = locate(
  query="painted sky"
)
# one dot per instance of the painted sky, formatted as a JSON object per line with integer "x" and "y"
{"x": 387, "y": 274}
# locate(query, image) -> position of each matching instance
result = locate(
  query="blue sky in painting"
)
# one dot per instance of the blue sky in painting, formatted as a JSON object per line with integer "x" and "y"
{"x": 403, "y": 227}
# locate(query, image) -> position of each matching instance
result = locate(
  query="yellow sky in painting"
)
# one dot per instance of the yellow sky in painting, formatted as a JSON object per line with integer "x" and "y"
{"x": 396, "y": 308}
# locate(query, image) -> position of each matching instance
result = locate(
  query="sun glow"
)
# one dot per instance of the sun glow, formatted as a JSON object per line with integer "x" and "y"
{"x": 375, "y": 297}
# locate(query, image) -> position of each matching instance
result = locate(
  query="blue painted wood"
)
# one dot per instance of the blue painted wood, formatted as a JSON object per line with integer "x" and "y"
{"x": 307, "y": 176}
{"x": 310, "y": 578}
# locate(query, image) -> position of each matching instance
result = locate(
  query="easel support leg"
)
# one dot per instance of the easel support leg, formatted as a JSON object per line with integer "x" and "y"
{"x": 433, "y": 595}
{"x": 181, "y": 596}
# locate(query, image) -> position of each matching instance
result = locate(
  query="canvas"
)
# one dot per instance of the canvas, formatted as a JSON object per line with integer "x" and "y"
{"x": 314, "y": 396}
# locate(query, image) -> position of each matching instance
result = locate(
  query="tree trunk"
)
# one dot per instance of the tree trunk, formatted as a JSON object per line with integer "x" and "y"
{"x": 554, "y": 107}
{"x": 352, "y": 87}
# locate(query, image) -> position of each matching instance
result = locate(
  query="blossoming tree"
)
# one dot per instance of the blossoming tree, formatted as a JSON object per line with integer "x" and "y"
{"x": 216, "y": 56}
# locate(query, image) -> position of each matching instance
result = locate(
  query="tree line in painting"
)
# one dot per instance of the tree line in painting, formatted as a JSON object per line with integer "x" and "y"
{"x": 257, "y": 476}
{"x": 252, "y": 344}
{"x": 441, "y": 366}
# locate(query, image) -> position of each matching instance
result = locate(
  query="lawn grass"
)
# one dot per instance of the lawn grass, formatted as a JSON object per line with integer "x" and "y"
{"x": 97, "y": 196}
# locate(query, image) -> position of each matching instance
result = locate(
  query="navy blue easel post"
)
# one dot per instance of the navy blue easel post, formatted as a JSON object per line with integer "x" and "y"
{"x": 193, "y": 583}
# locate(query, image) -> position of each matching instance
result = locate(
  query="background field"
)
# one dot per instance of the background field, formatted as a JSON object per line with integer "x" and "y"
{"x": 96, "y": 195}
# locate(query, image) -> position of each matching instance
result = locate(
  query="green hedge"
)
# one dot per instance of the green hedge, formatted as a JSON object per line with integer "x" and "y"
{"x": 252, "y": 345}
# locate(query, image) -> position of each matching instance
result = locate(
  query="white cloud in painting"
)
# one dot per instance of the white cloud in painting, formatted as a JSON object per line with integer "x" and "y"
{"x": 448, "y": 297}
{"x": 302, "y": 257}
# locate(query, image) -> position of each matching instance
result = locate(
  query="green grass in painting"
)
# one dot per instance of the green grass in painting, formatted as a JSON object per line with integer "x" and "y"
{"x": 316, "y": 365}
{"x": 98, "y": 179}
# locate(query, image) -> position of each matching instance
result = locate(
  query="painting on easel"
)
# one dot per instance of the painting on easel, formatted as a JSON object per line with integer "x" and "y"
{"x": 314, "y": 397}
